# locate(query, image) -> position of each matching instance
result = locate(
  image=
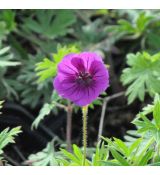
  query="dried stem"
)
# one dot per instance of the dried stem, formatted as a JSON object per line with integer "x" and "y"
{"x": 9, "y": 159}
{"x": 84, "y": 113}
{"x": 69, "y": 127}
{"x": 104, "y": 106}
{"x": 17, "y": 150}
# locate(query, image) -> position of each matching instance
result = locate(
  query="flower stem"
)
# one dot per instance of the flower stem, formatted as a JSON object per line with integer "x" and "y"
{"x": 69, "y": 127}
{"x": 84, "y": 113}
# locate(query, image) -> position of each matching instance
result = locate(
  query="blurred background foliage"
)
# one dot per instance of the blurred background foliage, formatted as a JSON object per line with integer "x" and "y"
{"x": 32, "y": 42}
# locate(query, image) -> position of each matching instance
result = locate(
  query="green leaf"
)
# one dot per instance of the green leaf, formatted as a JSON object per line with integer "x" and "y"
{"x": 7, "y": 136}
{"x": 55, "y": 97}
{"x": 48, "y": 68}
{"x": 126, "y": 26}
{"x": 9, "y": 17}
{"x": 71, "y": 157}
{"x": 154, "y": 164}
{"x": 146, "y": 158}
{"x": 121, "y": 146}
{"x": 6, "y": 58}
{"x": 153, "y": 40}
{"x": 147, "y": 109}
{"x": 9, "y": 63}
{"x": 109, "y": 163}
{"x": 142, "y": 21}
{"x": 131, "y": 29}
{"x": 46, "y": 157}
{"x": 75, "y": 158}
{"x": 45, "y": 110}
{"x": 50, "y": 23}
{"x": 135, "y": 145}
{"x": 65, "y": 50}
{"x": 156, "y": 114}
{"x": 4, "y": 50}
{"x": 142, "y": 75}
{"x": 77, "y": 152}
{"x": 3, "y": 30}
{"x": 101, "y": 154}
{"x": 143, "y": 124}
{"x": 118, "y": 157}
{"x": 1, "y": 102}
{"x": 144, "y": 152}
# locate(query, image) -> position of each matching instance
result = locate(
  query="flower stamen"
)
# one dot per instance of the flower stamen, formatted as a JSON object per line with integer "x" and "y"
{"x": 84, "y": 78}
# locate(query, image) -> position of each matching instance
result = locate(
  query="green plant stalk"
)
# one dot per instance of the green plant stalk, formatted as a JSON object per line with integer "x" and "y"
{"x": 84, "y": 113}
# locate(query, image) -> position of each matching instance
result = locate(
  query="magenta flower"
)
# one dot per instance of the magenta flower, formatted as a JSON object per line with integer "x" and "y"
{"x": 81, "y": 77}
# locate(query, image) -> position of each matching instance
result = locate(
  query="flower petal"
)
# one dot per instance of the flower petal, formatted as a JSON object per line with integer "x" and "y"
{"x": 89, "y": 95}
{"x": 66, "y": 80}
{"x": 62, "y": 84}
{"x": 65, "y": 67}
{"x": 100, "y": 76}
{"x": 88, "y": 58}
{"x": 78, "y": 63}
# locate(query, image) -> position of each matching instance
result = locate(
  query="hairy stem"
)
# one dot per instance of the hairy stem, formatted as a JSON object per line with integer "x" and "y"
{"x": 84, "y": 113}
{"x": 69, "y": 127}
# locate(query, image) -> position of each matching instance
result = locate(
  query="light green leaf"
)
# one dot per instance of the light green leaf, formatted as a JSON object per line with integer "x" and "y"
{"x": 122, "y": 146}
{"x": 48, "y": 68}
{"x": 142, "y": 21}
{"x": 46, "y": 157}
{"x": 9, "y": 63}
{"x": 119, "y": 158}
{"x": 142, "y": 75}
{"x": 45, "y": 110}
{"x": 156, "y": 114}
{"x": 7, "y": 136}
{"x": 71, "y": 157}
{"x": 135, "y": 145}
{"x": 9, "y": 17}
{"x": 109, "y": 163}
{"x": 146, "y": 158}
{"x": 77, "y": 152}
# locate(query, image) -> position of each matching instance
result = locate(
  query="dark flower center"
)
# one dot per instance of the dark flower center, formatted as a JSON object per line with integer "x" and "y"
{"x": 84, "y": 78}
